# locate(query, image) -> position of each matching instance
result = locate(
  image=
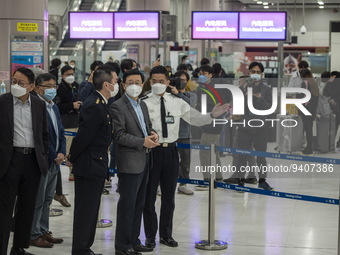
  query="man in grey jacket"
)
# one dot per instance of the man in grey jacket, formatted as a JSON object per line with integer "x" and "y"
{"x": 134, "y": 138}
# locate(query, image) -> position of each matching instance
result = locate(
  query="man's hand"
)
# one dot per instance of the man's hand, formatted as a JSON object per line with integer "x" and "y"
{"x": 149, "y": 143}
{"x": 76, "y": 105}
{"x": 157, "y": 62}
{"x": 219, "y": 110}
{"x": 258, "y": 95}
{"x": 173, "y": 90}
{"x": 60, "y": 158}
{"x": 154, "y": 136}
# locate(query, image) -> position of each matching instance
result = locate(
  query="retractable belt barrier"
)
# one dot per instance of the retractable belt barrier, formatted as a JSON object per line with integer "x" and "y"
{"x": 249, "y": 189}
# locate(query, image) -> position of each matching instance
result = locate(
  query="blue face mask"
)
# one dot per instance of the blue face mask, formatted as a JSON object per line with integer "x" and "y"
{"x": 50, "y": 94}
{"x": 255, "y": 76}
{"x": 202, "y": 79}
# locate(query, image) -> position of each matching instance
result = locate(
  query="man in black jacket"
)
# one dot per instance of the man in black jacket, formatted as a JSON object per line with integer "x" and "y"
{"x": 24, "y": 150}
{"x": 68, "y": 102}
{"x": 249, "y": 136}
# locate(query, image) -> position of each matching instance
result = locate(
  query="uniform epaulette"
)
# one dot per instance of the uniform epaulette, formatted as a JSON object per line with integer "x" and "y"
{"x": 98, "y": 100}
{"x": 144, "y": 97}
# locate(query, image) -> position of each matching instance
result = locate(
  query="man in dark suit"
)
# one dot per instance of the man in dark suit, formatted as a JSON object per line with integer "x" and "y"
{"x": 46, "y": 89}
{"x": 89, "y": 157}
{"x": 134, "y": 137}
{"x": 23, "y": 150}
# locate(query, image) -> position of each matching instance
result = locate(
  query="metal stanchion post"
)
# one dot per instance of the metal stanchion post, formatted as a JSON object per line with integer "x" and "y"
{"x": 103, "y": 223}
{"x": 211, "y": 243}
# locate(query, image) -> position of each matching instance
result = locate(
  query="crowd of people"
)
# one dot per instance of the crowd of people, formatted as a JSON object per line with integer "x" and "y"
{"x": 140, "y": 121}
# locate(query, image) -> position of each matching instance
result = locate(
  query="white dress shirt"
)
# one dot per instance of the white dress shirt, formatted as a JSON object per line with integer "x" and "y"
{"x": 23, "y": 127}
{"x": 177, "y": 108}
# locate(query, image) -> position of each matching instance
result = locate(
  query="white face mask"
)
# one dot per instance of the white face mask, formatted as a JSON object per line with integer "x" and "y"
{"x": 133, "y": 90}
{"x": 116, "y": 90}
{"x": 73, "y": 66}
{"x": 69, "y": 79}
{"x": 18, "y": 91}
{"x": 158, "y": 88}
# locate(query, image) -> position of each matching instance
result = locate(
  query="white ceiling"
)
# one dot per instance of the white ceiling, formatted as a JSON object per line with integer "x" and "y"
{"x": 292, "y": 3}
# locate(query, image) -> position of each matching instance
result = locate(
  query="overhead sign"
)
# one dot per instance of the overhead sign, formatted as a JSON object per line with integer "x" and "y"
{"x": 215, "y": 25}
{"x": 136, "y": 25}
{"x": 91, "y": 25}
{"x": 263, "y": 25}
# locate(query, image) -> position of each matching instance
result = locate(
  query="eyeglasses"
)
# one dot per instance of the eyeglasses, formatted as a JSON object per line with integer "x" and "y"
{"x": 20, "y": 83}
{"x": 254, "y": 71}
{"x": 49, "y": 86}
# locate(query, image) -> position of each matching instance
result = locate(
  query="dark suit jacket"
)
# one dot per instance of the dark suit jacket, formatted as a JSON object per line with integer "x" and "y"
{"x": 64, "y": 100}
{"x": 128, "y": 135}
{"x": 40, "y": 132}
{"x": 89, "y": 149}
{"x": 52, "y": 152}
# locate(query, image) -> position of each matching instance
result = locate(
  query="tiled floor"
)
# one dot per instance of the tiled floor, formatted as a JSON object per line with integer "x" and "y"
{"x": 251, "y": 224}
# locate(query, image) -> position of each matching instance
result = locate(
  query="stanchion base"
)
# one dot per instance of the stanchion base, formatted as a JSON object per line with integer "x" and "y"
{"x": 103, "y": 223}
{"x": 206, "y": 245}
{"x": 56, "y": 212}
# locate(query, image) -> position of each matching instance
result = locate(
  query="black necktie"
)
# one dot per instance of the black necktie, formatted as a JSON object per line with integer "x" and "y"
{"x": 164, "y": 126}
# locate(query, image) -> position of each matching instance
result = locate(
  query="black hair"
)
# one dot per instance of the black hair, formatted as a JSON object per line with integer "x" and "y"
{"x": 95, "y": 64}
{"x": 159, "y": 70}
{"x": 253, "y": 64}
{"x": 115, "y": 66}
{"x": 206, "y": 68}
{"x": 184, "y": 57}
{"x": 182, "y": 67}
{"x": 44, "y": 77}
{"x": 180, "y": 73}
{"x": 132, "y": 72}
{"x": 101, "y": 75}
{"x": 217, "y": 68}
{"x": 205, "y": 61}
{"x": 64, "y": 69}
{"x": 195, "y": 73}
{"x": 27, "y": 72}
{"x": 126, "y": 64}
{"x": 56, "y": 62}
{"x": 325, "y": 76}
{"x": 303, "y": 64}
{"x": 336, "y": 74}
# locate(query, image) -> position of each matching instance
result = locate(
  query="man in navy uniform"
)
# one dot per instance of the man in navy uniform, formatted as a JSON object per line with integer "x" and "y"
{"x": 89, "y": 156}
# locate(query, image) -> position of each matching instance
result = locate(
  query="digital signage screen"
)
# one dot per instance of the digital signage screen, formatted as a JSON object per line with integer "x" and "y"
{"x": 136, "y": 25}
{"x": 91, "y": 25}
{"x": 214, "y": 25}
{"x": 263, "y": 26}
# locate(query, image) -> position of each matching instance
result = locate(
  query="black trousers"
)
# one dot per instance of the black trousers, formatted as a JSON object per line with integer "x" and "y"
{"x": 22, "y": 182}
{"x": 185, "y": 156}
{"x": 88, "y": 192}
{"x": 308, "y": 128}
{"x": 249, "y": 140}
{"x": 59, "y": 186}
{"x": 164, "y": 172}
{"x": 132, "y": 190}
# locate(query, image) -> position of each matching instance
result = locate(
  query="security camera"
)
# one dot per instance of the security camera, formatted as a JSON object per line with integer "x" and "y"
{"x": 303, "y": 29}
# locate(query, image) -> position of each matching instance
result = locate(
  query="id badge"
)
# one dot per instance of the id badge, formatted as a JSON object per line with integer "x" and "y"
{"x": 169, "y": 120}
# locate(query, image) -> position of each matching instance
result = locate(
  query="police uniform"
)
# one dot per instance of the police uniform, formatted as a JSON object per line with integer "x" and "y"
{"x": 165, "y": 165}
{"x": 89, "y": 156}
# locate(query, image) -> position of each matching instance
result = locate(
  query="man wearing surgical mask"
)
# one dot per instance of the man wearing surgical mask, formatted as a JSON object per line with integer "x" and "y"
{"x": 68, "y": 102}
{"x": 166, "y": 111}
{"x": 250, "y": 137}
{"x": 46, "y": 90}
{"x": 24, "y": 146}
{"x": 134, "y": 138}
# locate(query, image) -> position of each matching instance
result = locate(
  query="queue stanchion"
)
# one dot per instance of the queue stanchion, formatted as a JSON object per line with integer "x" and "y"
{"x": 103, "y": 223}
{"x": 211, "y": 243}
